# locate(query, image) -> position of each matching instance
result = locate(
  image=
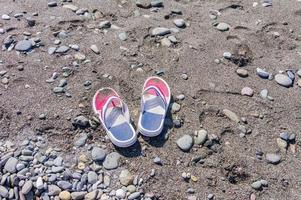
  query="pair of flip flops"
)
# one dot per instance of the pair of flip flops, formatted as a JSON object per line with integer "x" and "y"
{"x": 115, "y": 118}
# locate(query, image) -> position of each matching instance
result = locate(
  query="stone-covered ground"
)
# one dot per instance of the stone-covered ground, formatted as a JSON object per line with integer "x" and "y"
{"x": 233, "y": 129}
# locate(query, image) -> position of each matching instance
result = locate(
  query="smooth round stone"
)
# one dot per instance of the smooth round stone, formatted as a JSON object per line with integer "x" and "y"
{"x": 92, "y": 177}
{"x": 98, "y": 154}
{"x": 210, "y": 196}
{"x": 283, "y": 80}
{"x": 52, "y": 4}
{"x": 62, "y": 49}
{"x": 180, "y": 23}
{"x": 256, "y": 185}
{"x": 246, "y": 91}
{"x": 264, "y": 183}
{"x": 58, "y": 90}
{"x": 157, "y": 160}
{"x": 23, "y": 45}
{"x": 111, "y": 161}
{"x": 299, "y": 82}
{"x": 10, "y": 165}
{"x": 185, "y": 142}
{"x": 242, "y": 72}
{"x": 201, "y": 137}
{"x": 125, "y": 177}
{"x": 5, "y": 17}
{"x": 273, "y": 158}
{"x": 120, "y": 193}
{"x": 135, "y": 195}
{"x": 290, "y": 74}
{"x": 284, "y": 136}
{"x": 262, "y": 73}
{"x": 223, "y": 26}
{"x": 160, "y": 31}
{"x": 65, "y": 195}
{"x": 71, "y": 7}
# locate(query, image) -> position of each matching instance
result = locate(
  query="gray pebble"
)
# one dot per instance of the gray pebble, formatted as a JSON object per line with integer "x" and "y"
{"x": 273, "y": 158}
{"x": 185, "y": 142}
{"x": 64, "y": 185}
{"x": 256, "y": 185}
{"x": 284, "y": 136}
{"x": 180, "y": 23}
{"x": 111, "y": 161}
{"x": 134, "y": 195}
{"x": 122, "y": 36}
{"x": 62, "y": 49}
{"x": 98, "y": 154}
{"x": 223, "y": 26}
{"x": 160, "y": 31}
{"x": 283, "y": 80}
{"x": 27, "y": 187}
{"x": 3, "y": 192}
{"x": 23, "y": 45}
{"x": 201, "y": 137}
{"x": 11, "y": 164}
{"x": 58, "y": 90}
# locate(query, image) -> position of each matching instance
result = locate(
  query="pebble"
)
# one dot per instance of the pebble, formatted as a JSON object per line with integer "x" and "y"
{"x": 65, "y": 195}
{"x": 53, "y": 190}
{"x": 156, "y": 3}
{"x": 23, "y": 45}
{"x": 62, "y": 49}
{"x": 122, "y": 36}
{"x": 201, "y": 137}
{"x": 262, "y": 73}
{"x": 80, "y": 57}
{"x": 95, "y": 49}
{"x": 71, "y": 7}
{"x": 111, "y": 161}
{"x": 157, "y": 160}
{"x": 180, "y": 23}
{"x": 52, "y": 4}
{"x": 256, "y": 185}
{"x": 210, "y": 196}
{"x": 78, "y": 195}
{"x": 125, "y": 177}
{"x": 284, "y": 136}
{"x": 98, "y": 154}
{"x": 282, "y": 144}
{"x": 92, "y": 177}
{"x": 39, "y": 183}
{"x": 10, "y": 165}
{"x": 120, "y": 193}
{"x": 81, "y": 121}
{"x": 247, "y": 91}
{"x": 81, "y": 141}
{"x": 185, "y": 142}
{"x": 3, "y": 192}
{"x": 264, "y": 93}
{"x": 104, "y": 24}
{"x": 299, "y": 82}
{"x": 135, "y": 195}
{"x": 160, "y": 31}
{"x": 283, "y": 80}
{"x": 27, "y": 187}
{"x": 5, "y": 17}
{"x": 166, "y": 42}
{"x": 58, "y": 90}
{"x": 242, "y": 72}
{"x": 175, "y": 107}
{"x": 227, "y": 55}
{"x": 231, "y": 115}
{"x": 223, "y": 26}
{"x": 273, "y": 158}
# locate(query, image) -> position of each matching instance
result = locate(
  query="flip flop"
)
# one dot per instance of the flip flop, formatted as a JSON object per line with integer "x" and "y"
{"x": 154, "y": 105}
{"x": 114, "y": 116}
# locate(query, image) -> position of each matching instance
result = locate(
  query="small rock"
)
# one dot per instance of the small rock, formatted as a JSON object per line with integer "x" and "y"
{"x": 201, "y": 137}
{"x": 227, "y": 55}
{"x": 92, "y": 177}
{"x": 180, "y": 23}
{"x": 157, "y": 160}
{"x": 231, "y": 115}
{"x": 256, "y": 185}
{"x": 160, "y": 31}
{"x": 104, "y": 24}
{"x": 282, "y": 144}
{"x": 284, "y": 136}
{"x": 175, "y": 107}
{"x": 95, "y": 49}
{"x": 246, "y": 91}
{"x": 81, "y": 141}
{"x": 185, "y": 142}
{"x": 166, "y": 42}
{"x": 5, "y": 17}
{"x": 111, "y": 161}
{"x": 3, "y": 192}
{"x": 53, "y": 190}
{"x": 81, "y": 121}
{"x": 52, "y": 4}
{"x": 126, "y": 178}
{"x": 26, "y": 188}
{"x": 78, "y": 195}
{"x": 65, "y": 195}
{"x": 71, "y": 7}
{"x": 39, "y": 183}
{"x": 120, "y": 193}
{"x": 23, "y": 45}
{"x": 122, "y": 36}
{"x": 242, "y": 72}
{"x": 62, "y": 49}
{"x": 273, "y": 158}
{"x": 283, "y": 80}
{"x": 58, "y": 90}
{"x": 10, "y": 165}
{"x": 223, "y": 26}
{"x": 262, "y": 73}
{"x": 135, "y": 195}
{"x": 98, "y": 154}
